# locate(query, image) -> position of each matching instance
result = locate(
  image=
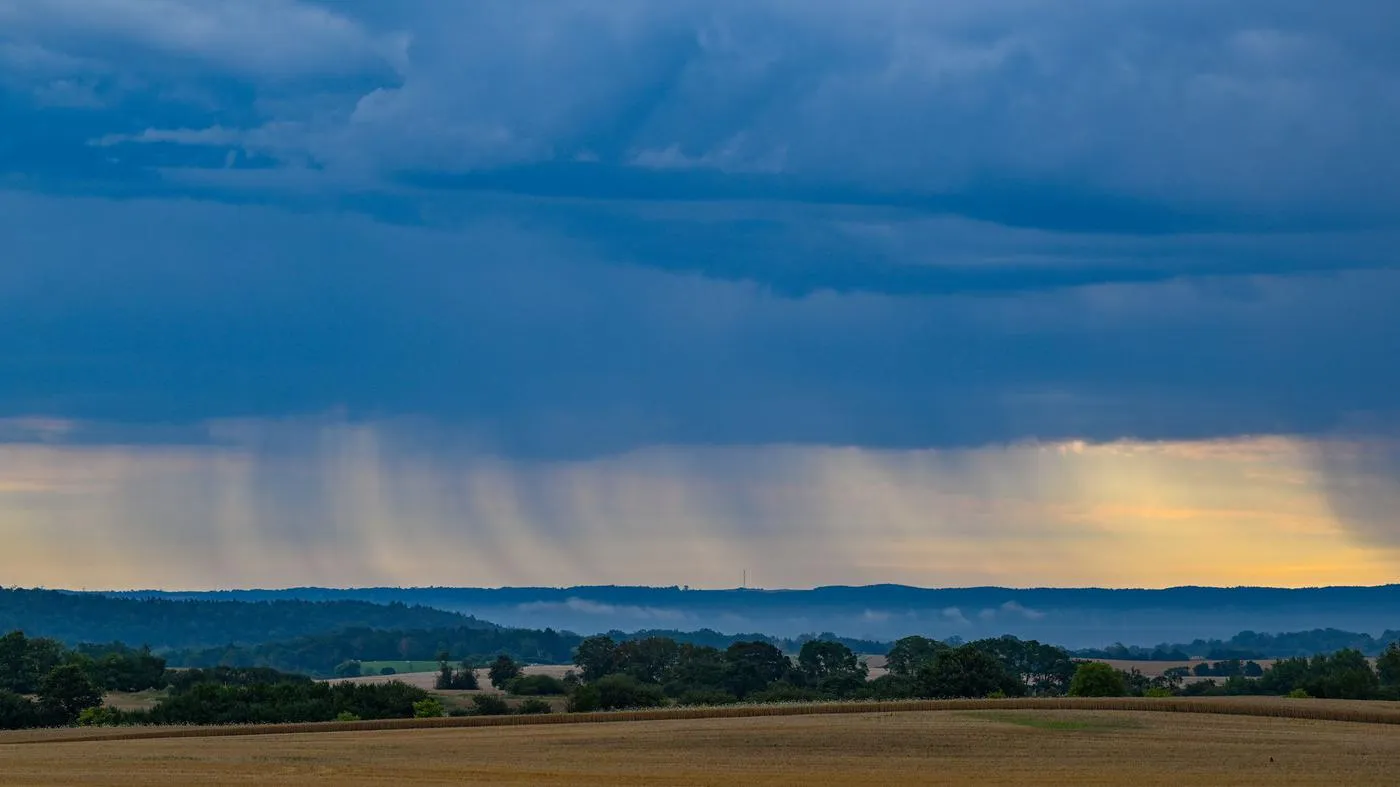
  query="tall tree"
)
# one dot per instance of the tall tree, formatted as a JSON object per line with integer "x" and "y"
{"x": 66, "y": 691}
{"x": 751, "y": 666}
{"x": 1097, "y": 679}
{"x": 596, "y": 657}
{"x": 821, "y": 659}
{"x": 966, "y": 671}
{"x": 648, "y": 659}
{"x": 911, "y": 653}
{"x": 503, "y": 670}
{"x": 1388, "y": 666}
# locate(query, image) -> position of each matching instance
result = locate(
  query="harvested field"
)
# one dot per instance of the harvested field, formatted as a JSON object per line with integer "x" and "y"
{"x": 139, "y": 700}
{"x": 1153, "y": 669}
{"x": 1368, "y": 712}
{"x": 424, "y": 680}
{"x": 971, "y": 746}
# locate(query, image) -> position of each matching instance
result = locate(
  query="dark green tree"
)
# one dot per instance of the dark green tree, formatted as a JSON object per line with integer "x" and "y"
{"x": 66, "y": 691}
{"x": 490, "y": 705}
{"x": 124, "y": 669}
{"x": 648, "y": 659}
{"x": 911, "y": 653}
{"x": 534, "y": 705}
{"x": 698, "y": 668}
{"x": 618, "y": 692}
{"x": 1346, "y": 674}
{"x": 1388, "y": 666}
{"x": 1045, "y": 669}
{"x": 596, "y": 657}
{"x": 751, "y": 666}
{"x": 822, "y": 659}
{"x": 24, "y": 661}
{"x": 966, "y": 671}
{"x": 503, "y": 670}
{"x": 16, "y": 712}
{"x": 1097, "y": 679}
{"x": 537, "y": 685}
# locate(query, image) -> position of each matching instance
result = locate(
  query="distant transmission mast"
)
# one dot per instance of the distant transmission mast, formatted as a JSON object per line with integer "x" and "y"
{"x": 745, "y": 585}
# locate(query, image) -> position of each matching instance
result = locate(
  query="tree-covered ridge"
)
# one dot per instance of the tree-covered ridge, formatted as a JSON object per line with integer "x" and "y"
{"x": 1251, "y": 645}
{"x": 319, "y": 654}
{"x": 170, "y": 624}
{"x": 656, "y": 670}
{"x": 838, "y": 596}
{"x": 315, "y": 636}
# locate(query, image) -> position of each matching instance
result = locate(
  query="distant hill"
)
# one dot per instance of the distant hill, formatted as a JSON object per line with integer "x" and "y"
{"x": 190, "y": 623}
{"x": 1074, "y": 617}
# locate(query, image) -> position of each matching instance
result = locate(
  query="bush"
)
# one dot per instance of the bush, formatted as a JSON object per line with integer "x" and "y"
{"x": 99, "y": 716}
{"x": 534, "y": 705}
{"x": 1202, "y": 688}
{"x": 616, "y": 692}
{"x": 706, "y": 697}
{"x": 1097, "y": 679}
{"x": 260, "y": 703}
{"x": 537, "y": 685}
{"x": 785, "y": 692}
{"x": 490, "y": 705}
{"x": 346, "y": 715}
{"x": 67, "y": 691}
{"x": 1299, "y": 694}
{"x": 1157, "y": 691}
{"x": 17, "y": 712}
{"x": 427, "y": 709}
{"x": 502, "y": 671}
{"x": 388, "y": 671}
{"x": 183, "y": 680}
{"x": 892, "y": 687}
{"x": 585, "y": 699}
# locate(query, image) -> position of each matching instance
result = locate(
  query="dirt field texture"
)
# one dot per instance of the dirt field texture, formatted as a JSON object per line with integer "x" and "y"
{"x": 424, "y": 680}
{"x": 1003, "y": 746}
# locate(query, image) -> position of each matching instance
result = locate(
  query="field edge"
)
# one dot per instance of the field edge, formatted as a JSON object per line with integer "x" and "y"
{"x": 1317, "y": 710}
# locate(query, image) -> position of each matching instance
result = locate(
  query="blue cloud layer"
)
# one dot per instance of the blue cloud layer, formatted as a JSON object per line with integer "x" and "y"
{"x": 569, "y": 228}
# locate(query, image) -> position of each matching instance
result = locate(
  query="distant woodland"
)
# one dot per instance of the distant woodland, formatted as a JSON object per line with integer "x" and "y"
{"x": 204, "y": 661}
{"x": 313, "y": 637}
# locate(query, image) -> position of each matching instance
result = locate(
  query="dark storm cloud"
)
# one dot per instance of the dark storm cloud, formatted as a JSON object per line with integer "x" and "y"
{"x": 526, "y": 341}
{"x": 573, "y": 228}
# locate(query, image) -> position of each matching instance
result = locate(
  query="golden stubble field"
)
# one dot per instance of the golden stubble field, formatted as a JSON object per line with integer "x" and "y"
{"x": 959, "y": 746}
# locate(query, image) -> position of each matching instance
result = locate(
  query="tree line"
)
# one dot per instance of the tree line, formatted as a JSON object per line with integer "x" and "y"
{"x": 173, "y": 625}
{"x": 233, "y": 696}
{"x": 43, "y": 683}
{"x": 655, "y": 671}
{"x": 331, "y": 653}
{"x": 1251, "y": 645}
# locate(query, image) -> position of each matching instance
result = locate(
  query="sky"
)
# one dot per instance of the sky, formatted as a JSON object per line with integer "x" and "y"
{"x": 1008, "y": 292}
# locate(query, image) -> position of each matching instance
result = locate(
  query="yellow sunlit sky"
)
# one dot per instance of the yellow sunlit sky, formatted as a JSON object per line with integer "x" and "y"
{"x": 359, "y": 509}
